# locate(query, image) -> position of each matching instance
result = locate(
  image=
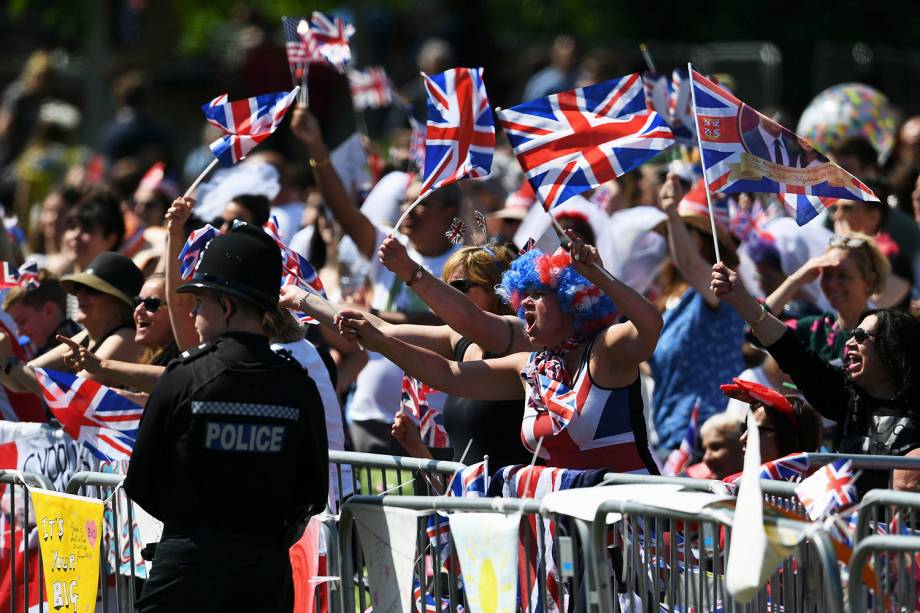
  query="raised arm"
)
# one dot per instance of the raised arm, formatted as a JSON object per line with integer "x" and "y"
{"x": 823, "y": 385}
{"x": 305, "y": 127}
{"x": 142, "y": 377}
{"x": 497, "y": 379}
{"x": 498, "y": 334}
{"x": 630, "y": 343}
{"x": 183, "y": 327}
{"x": 686, "y": 257}
{"x": 806, "y": 273}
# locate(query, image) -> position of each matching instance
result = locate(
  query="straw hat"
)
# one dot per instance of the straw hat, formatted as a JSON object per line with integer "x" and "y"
{"x": 110, "y": 273}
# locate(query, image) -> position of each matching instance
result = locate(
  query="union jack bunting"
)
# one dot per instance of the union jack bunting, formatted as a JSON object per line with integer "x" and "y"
{"x": 25, "y": 276}
{"x": 91, "y": 413}
{"x": 300, "y": 48}
{"x": 245, "y": 123}
{"x": 370, "y": 88}
{"x": 744, "y": 151}
{"x": 831, "y": 488}
{"x": 193, "y": 248}
{"x": 330, "y": 35}
{"x": 678, "y": 459}
{"x": 460, "y": 134}
{"x": 456, "y": 232}
{"x": 578, "y": 139}
{"x": 787, "y": 468}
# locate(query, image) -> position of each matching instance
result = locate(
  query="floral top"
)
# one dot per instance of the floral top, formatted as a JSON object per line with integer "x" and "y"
{"x": 822, "y": 333}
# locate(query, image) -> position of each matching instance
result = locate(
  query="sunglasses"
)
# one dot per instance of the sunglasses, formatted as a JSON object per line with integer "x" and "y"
{"x": 89, "y": 291}
{"x": 151, "y": 304}
{"x": 464, "y": 285}
{"x": 861, "y": 336}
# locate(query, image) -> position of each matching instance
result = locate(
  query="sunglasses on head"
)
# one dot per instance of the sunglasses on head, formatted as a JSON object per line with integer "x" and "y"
{"x": 151, "y": 303}
{"x": 861, "y": 336}
{"x": 464, "y": 285}
{"x": 89, "y": 291}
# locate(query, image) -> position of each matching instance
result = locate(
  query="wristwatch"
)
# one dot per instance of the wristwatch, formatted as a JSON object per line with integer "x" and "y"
{"x": 416, "y": 276}
{"x": 10, "y": 362}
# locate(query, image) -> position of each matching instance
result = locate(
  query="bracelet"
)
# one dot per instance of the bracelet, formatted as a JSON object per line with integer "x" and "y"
{"x": 763, "y": 315}
{"x": 319, "y": 164}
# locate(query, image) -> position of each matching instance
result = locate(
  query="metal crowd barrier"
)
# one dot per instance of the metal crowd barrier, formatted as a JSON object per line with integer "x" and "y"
{"x": 443, "y": 587}
{"x": 894, "y": 560}
{"x": 118, "y": 582}
{"x": 672, "y": 560}
{"x": 16, "y": 532}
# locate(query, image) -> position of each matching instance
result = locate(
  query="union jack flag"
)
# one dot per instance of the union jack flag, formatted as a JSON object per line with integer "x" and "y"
{"x": 299, "y": 45}
{"x": 678, "y": 459}
{"x": 575, "y": 140}
{"x": 417, "y": 144}
{"x": 245, "y": 123}
{"x": 25, "y": 276}
{"x": 193, "y": 248}
{"x": 805, "y": 208}
{"x": 91, "y": 413}
{"x": 737, "y": 157}
{"x": 430, "y": 604}
{"x": 460, "y": 134}
{"x": 293, "y": 264}
{"x": 414, "y": 403}
{"x": 469, "y": 482}
{"x": 330, "y": 35}
{"x": 832, "y": 487}
{"x": 455, "y": 233}
{"x": 370, "y": 89}
{"x": 680, "y": 108}
{"x": 657, "y": 90}
{"x": 787, "y": 468}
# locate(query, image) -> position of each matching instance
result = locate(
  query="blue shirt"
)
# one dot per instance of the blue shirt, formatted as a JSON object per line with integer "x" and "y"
{"x": 699, "y": 349}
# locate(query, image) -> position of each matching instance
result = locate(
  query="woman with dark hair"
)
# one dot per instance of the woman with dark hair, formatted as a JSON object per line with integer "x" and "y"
{"x": 253, "y": 209}
{"x": 873, "y": 399}
{"x": 95, "y": 225}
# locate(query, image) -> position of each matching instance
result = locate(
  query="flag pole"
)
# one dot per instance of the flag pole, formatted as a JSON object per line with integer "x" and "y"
{"x": 204, "y": 173}
{"x": 304, "y": 79}
{"x": 699, "y": 140}
{"x": 405, "y": 214}
{"x": 647, "y": 56}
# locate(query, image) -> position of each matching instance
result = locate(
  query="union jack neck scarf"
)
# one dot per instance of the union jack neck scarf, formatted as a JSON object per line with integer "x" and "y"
{"x": 551, "y": 363}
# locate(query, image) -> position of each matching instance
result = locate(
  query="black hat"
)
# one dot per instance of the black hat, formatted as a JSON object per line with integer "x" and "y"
{"x": 110, "y": 273}
{"x": 245, "y": 263}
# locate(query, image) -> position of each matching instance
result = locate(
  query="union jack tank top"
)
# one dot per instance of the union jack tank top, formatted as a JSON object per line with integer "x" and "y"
{"x": 604, "y": 427}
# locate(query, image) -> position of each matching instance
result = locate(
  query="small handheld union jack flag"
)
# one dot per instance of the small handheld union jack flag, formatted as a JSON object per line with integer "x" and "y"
{"x": 300, "y": 49}
{"x": 460, "y": 135}
{"x": 455, "y": 234}
{"x": 193, "y": 248}
{"x": 330, "y": 35}
{"x": 245, "y": 123}
{"x": 414, "y": 403}
{"x": 787, "y": 468}
{"x": 831, "y": 488}
{"x": 25, "y": 276}
{"x": 575, "y": 140}
{"x": 91, "y": 413}
{"x": 370, "y": 88}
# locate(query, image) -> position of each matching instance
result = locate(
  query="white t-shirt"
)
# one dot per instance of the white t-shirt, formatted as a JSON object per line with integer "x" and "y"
{"x": 306, "y": 354}
{"x": 288, "y": 215}
{"x": 377, "y": 389}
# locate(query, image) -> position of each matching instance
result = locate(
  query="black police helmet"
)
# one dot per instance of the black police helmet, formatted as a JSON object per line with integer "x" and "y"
{"x": 245, "y": 263}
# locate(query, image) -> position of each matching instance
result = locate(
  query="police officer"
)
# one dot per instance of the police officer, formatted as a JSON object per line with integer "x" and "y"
{"x": 231, "y": 453}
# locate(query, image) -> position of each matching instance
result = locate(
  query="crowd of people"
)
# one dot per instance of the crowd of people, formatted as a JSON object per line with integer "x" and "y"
{"x": 590, "y": 350}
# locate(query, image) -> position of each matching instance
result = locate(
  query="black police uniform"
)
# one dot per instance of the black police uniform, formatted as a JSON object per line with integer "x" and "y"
{"x": 232, "y": 456}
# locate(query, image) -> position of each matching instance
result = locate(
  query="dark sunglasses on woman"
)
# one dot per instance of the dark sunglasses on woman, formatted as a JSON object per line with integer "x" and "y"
{"x": 151, "y": 303}
{"x": 464, "y": 285}
{"x": 861, "y": 336}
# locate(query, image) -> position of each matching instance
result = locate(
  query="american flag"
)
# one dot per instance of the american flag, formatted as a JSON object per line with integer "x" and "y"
{"x": 460, "y": 134}
{"x": 370, "y": 88}
{"x": 736, "y": 157}
{"x": 832, "y": 487}
{"x": 787, "y": 468}
{"x": 91, "y": 413}
{"x": 193, "y": 248}
{"x": 678, "y": 459}
{"x": 330, "y": 35}
{"x": 25, "y": 276}
{"x": 575, "y": 140}
{"x": 245, "y": 123}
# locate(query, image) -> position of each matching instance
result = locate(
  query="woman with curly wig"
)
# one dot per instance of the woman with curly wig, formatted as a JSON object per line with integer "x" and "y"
{"x": 583, "y": 407}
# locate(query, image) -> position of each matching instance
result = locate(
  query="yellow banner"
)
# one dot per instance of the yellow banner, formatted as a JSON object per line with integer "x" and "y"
{"x": 69, "y": 531}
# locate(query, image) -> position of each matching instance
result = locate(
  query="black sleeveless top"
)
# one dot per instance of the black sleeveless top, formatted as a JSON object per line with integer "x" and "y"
{"x": 494, "y": 426}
